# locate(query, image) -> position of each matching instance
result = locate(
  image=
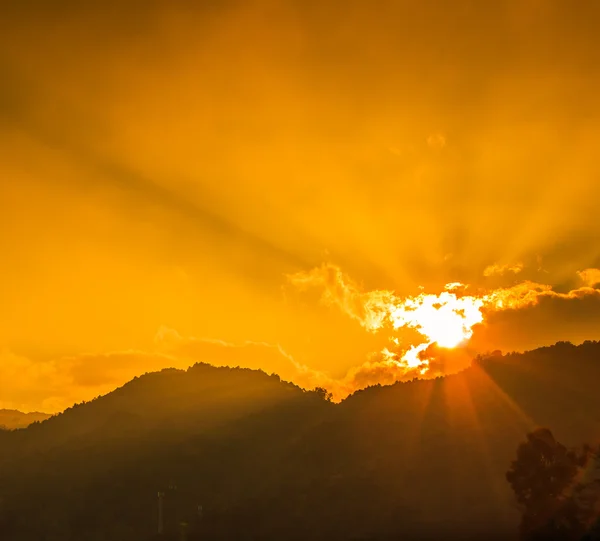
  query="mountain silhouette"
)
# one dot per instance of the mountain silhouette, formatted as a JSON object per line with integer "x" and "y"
{"x": 239, "y": 454}
{"x": 12, "y": 419}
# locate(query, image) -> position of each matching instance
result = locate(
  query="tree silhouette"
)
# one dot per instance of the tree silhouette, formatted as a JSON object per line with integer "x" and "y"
{"x": 545, "y": 480}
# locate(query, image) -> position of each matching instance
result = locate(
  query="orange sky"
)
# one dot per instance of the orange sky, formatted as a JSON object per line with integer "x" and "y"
{"x": 164, "y": 167}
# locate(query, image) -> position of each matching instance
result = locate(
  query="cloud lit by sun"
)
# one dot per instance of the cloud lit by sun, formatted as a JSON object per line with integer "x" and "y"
{"x": 443, "y": 320}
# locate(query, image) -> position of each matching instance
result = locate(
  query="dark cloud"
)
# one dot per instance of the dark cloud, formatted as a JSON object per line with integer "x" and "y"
{"x": 553, "y": 318}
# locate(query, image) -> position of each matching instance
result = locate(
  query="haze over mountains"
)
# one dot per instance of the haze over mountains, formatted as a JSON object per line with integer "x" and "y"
{"x": 264, "y": 459}
{"x": 12, "y": 419}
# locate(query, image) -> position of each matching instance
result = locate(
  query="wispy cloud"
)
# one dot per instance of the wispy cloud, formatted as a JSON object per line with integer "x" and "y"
{"x": 29, "y": 384}
{"x": 270, "y": 358}
{"x": 500, "y": 270}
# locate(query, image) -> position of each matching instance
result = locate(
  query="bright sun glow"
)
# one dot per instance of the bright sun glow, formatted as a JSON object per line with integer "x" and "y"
{"x": 445, "y": 319}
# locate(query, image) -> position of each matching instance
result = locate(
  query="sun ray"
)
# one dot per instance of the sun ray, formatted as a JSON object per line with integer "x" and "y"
{"x": 487, "y": 382}
{"x": 464, "y": 396}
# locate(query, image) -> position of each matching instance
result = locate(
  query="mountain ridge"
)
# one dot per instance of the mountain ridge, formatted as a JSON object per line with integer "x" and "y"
{"x": 268, "y": 459}
{"x": 14, "y": 419}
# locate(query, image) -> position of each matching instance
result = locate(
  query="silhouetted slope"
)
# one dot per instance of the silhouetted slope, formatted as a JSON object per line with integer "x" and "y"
{"x": 172, "y": 401}
{"x": 267, "y": 460}
{"x": 12, "y": 419}
{"x": 447, "y": 442}
{"x": 111, "y": 456}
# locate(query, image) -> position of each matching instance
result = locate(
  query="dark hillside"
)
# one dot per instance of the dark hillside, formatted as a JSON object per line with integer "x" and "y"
{"x": 267, "y": 460}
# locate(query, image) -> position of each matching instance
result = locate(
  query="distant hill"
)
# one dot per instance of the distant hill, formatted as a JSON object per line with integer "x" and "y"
{"x": 15, "y": 419}
{"x": 266, "y": 460}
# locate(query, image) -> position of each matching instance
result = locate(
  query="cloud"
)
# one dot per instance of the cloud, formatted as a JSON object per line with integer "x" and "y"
{"x": 527, "y": 294}
{"x": 445, "y": 321}
{"x": 27, "y": 385}
{"x": 340, "y": 290}
{"x": 31, "y": 384}
{"x": 518, "y": 317}
{"x": 499, "y": 270}
{"x": 34, "y": 385}
{"x": 380, "y": 368}
{"x": 590, "y": 277}
{"x": 270, "y": 358}
{"x": 377, "y": 372}
{"x": 573, "y": 316}
{"x": 397, "y": 361}
{"x": 53, "y": 385}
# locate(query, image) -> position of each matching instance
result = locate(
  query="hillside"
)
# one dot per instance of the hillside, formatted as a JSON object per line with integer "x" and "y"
{"x": 12, "y": 419}
{"x": 268, "y": 460}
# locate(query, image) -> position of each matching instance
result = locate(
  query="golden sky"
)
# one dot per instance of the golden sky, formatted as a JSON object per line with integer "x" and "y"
{"x": 166, "y": 167}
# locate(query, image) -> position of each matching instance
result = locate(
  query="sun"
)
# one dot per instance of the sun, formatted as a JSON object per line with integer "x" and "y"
{"x": 445, "y": 319}
{"x": 448, "y": 338}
